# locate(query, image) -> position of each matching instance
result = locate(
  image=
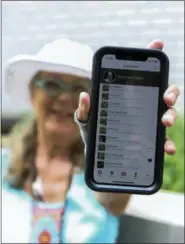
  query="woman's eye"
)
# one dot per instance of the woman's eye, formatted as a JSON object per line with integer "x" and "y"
{"x": 51, "y": 85}
{"x": 78, "y": 88}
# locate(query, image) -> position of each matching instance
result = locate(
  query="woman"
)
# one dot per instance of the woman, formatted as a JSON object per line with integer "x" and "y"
{"x": 45, "y": 199}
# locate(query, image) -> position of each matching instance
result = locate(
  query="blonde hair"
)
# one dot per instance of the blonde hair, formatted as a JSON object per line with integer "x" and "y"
{"x": 23, "y": 144}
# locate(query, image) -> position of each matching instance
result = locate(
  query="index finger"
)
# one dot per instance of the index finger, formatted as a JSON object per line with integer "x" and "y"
{"x": 156, "y": 44}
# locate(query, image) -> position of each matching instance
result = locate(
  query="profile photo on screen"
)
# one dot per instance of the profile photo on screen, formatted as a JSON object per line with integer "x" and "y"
{"x": 105, "y": 88}
{"x": 102, "y": 138}
{"x": 109, "y": 76}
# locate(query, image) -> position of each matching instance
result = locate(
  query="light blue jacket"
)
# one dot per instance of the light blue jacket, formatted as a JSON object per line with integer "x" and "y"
{"x": 84, "y": 221}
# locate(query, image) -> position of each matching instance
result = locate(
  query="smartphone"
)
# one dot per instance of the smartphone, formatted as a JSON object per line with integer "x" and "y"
{"x": 125, "y": 147}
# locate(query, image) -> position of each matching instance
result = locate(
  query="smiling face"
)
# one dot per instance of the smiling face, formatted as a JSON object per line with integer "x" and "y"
{"x": 55, "y": 99}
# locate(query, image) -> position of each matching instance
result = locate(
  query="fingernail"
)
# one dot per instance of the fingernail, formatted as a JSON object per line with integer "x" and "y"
{"x": 82, "y": 95}
{"x": 169, "y": 144}
{"x": 168, "y": 118}
{"x": 170, "y": 96}
{"x": 169, "y": 91}
{"x": 81, "y": 104}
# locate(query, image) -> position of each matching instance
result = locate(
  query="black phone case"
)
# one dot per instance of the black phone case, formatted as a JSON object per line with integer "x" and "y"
{"x": 90, "y": 150}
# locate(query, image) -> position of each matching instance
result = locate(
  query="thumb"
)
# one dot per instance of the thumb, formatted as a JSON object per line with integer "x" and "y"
{"x": 83, "y": 107}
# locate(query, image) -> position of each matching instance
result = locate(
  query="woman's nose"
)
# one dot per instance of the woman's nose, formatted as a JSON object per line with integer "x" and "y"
{"x": 64, "y": 97}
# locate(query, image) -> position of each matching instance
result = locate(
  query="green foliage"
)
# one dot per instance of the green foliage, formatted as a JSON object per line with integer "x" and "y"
{"x": 174, "y": 165}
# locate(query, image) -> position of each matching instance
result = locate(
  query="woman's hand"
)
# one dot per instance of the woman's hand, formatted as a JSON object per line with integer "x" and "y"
{"x": 168, "y": 119}
{"x": 117, "y": 203}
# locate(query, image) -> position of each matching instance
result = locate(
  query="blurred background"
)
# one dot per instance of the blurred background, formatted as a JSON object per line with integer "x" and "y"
{"x": 28, "y": 25}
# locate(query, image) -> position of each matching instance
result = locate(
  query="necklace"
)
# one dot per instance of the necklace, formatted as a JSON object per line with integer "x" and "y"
{"x": 44, "y": 224}
{"x": 44, "y": 236}
{"x": 45, "y": 218}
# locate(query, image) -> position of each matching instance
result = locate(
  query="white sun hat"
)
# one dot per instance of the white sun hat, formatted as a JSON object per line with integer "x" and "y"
{"x": 64, "y": 56}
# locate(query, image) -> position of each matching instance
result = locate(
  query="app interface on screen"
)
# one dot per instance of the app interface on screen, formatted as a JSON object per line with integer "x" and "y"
{"x": 127, "y": 121}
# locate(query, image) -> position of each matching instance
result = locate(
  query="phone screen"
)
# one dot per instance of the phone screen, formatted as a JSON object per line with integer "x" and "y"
{"x": 127, "y": 121}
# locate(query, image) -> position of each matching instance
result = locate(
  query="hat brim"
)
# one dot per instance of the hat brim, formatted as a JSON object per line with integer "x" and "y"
{"x": 19, "y": 71}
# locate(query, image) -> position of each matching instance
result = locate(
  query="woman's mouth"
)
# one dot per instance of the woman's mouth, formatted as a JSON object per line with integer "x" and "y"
{"x": 60, "y": 114}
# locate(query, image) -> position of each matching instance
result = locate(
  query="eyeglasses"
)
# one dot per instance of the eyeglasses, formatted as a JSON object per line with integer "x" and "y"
{"x": 54, "y": 88}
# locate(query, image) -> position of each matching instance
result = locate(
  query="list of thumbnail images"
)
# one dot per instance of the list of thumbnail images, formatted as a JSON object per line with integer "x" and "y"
{"x": 103, "y": 129}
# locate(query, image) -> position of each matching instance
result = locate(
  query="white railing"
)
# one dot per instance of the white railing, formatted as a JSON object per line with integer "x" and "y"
{"x": 158, "y": 218}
